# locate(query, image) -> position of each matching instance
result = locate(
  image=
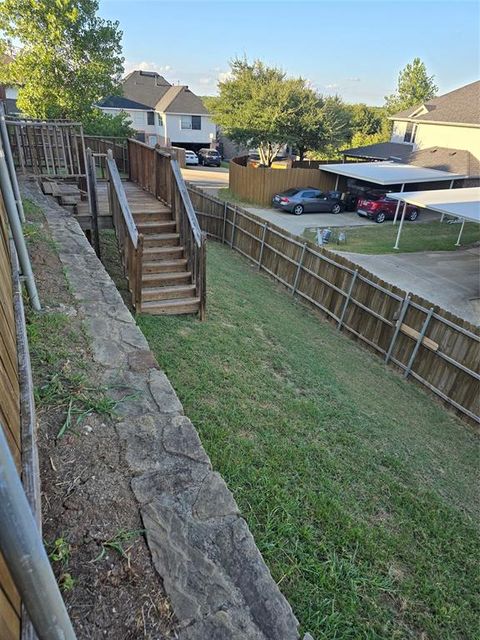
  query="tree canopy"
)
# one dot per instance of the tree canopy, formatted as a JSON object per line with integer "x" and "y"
{"x": 67, "y": 59}
{"x": 414, "y": 87}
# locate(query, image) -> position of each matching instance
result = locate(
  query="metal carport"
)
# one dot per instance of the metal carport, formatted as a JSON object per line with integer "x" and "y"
{"x": 459, "y": 203}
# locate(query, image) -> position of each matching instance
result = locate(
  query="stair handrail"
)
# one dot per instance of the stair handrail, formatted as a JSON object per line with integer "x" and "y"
{"x": 187, "y": 203}
{"x": 129, "y": 239}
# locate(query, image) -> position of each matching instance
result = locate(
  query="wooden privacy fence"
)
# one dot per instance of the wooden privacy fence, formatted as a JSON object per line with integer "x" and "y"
{"x": 54, "y": 149}
{"x": 259, "y": 185}
{"x": 100, "y": 145}
{"x": 427, "y": 343}
{"x": 159, "y": 174}
{"x": 129, "y": 240}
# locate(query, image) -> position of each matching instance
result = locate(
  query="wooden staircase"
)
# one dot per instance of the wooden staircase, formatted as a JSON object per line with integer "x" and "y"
{"x": 167, "y": 285}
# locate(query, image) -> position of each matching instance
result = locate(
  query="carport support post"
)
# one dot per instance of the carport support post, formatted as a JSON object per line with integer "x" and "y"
{"x": 457, "y": 244}
{"x": 450, "y": 187}
{"x": 401, "y": 225}
{"x": 398, "y": 206}
{"x": 336, "y": 182}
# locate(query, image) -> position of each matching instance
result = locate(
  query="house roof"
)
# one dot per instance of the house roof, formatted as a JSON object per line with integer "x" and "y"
{"x": 120, "y": 102}
{"x": 461, "y": 106}
{"x": 381, "y": 151}
{"x": 145, "y": 87}
{"x": 443, "y": 159}
{"x": 179, "y": 99}
{"x": 464, "y": 203}
{"x": 388, "y": 173}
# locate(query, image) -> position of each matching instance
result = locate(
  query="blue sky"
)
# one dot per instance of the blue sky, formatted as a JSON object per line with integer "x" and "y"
{"x": 349, "y": 47}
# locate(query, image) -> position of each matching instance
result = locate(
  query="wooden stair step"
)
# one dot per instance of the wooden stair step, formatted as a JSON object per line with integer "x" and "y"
{"x": 166, "y": 279}
{"x": 171, "y": 307}
{"x": 176, "y": 264}
{"x": 150, "y": 229}
{"x": 164, "y": 253}
{"x": 168, "y": 293}
{"x": 157, "y": 216}
{"x": 162, "y": 240}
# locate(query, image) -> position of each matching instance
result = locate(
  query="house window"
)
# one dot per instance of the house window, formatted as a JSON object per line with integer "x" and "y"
{"x": 159, "y": 120}
{"x": 191, "y": 122}
{"x": 410, "y": 132}
{"x": 150, "y": 117}
{"x": 196, "y": 122}
{"x": 186, "y": 122}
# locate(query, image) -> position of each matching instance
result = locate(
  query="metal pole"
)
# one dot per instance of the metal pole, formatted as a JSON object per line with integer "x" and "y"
{"x": 457, "y": 244}
{"x": 297, "y": 275}
{"x": 11, "y": 166}
{"x": 336, "y": 182}
{"x": 450, "y": 187}
{"x": 418, "y": 343}
{"x": 262, "y": 246}
{"x": 398, "y": 326}
{"x": 398, "y": 206}
{"x": 92, "y": 197}
{"x": 16, "y": 227}
{"x": 24, "y": 553}
{"x": 347, "y": 299}
{"x": 401, "y": 225}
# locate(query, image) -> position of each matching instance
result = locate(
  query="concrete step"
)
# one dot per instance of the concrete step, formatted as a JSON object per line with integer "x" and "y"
{"x": 166, "y": 279}
{"x": 151, "y": 229}
{"x": 168, "y": 293}
{"x": 171, "y": 307}
{"x": 162, "y": 240}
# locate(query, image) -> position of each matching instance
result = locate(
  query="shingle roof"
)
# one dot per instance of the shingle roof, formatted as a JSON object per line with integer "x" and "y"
{"x": 443, "y": 159}
{"x": 120, "y": 102}
{"x": 461, "y": 106}
{"x": 146, "y": 87}
{"x": 381, "y": 151}
{"x": 179, "y": 99}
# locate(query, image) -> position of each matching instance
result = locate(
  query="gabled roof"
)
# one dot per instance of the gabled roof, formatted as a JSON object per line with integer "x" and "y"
{"x": 461, "y": 106}
{"x": 443, "y": 159}
{"x": 120, "y": 102}
{"x": 145, "y": 87}
{"x": 381, "y": 151}
{"x": 179, "y": 99}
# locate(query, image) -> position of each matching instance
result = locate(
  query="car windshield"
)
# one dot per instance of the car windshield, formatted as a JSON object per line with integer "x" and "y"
{"x": 212, "y": 153}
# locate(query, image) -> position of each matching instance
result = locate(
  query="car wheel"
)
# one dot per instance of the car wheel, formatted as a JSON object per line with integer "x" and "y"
{"x": 413, "y": 215}
{"x": 298, "y": 210}
{"x": 336, "y": 208}
{"x": 380, "y": 217}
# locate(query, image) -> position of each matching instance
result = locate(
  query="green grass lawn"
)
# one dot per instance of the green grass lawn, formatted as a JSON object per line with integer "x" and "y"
{"x": 428, "y": 236}
{"x": 359, "y": 488}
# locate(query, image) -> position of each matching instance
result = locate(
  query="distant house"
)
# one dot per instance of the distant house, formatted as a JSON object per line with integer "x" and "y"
{"x": 449, "y": 122}
{"x": 162, "y": 113}
{"x": 8, "y": 95}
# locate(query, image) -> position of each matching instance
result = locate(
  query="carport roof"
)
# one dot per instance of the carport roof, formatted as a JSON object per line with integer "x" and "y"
{"x": 463, "y": 203}
{"x": 386, "y": 173}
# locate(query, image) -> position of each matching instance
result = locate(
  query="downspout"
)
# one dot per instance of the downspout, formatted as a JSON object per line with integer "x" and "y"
{"x": 25, "y": 555}
{"x": 17, "y": 233}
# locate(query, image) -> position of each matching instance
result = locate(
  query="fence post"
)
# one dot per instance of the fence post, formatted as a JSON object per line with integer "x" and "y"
{"x": 347, "y": 299}
{"x": 262, "y": 246}
{"x": 233, "y": 225}
{"x": 401, "y": 317}
{"x": 418, "y": 343}
{"x": 224, "y": 221}
{"x": 300, "y": 263}
{"x": 90, "y": 170}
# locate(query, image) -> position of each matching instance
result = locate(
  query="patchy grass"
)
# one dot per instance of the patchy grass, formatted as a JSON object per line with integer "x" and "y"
{"x": 228, "y": 195}
{"x": 360, "y": 490}
{"x": 418, "y": 236}
{"x": 225, "y": 164}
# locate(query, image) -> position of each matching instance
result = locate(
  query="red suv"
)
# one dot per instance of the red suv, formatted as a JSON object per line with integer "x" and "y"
{"x": 379, "y": 207}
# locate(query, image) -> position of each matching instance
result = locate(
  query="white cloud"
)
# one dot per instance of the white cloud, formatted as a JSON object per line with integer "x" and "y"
{"x": 353, "y": 79}
{"x": 332, "y": 86}
{"x": 205, "y": 81}
{"x": 144, "y": 65}
{"x": 223, "y": 76}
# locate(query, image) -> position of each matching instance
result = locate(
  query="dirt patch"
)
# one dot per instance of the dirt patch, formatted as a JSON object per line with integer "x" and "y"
{"x": 91, "y": 523}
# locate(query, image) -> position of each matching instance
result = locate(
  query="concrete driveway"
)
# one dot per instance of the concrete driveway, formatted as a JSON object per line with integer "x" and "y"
{"x": 450, "y": 279}
{"x": 210, "y": 179}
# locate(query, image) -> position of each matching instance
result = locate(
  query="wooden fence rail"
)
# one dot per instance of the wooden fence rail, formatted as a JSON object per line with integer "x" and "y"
{"x": 427, "y": 343}
{"x": 159, "y": 173}
{"x": 100, "y": 145}
{"x": 260, "y": 184}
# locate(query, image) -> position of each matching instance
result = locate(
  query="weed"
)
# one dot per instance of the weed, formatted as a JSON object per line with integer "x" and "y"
{"x": 118, "y": 542}
{"x": 66, "y": 582}
{"x": 60, "y": 551}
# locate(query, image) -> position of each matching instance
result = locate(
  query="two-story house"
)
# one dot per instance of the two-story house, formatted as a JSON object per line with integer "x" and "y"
{"x": 444, "y": 132}
{"x": 162, "y": 113}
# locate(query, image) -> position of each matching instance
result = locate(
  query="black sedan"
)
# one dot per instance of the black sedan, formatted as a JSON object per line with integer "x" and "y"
{"x": 308, "y": 200}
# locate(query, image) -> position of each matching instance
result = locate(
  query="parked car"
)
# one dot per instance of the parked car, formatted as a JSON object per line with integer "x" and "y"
{"x": 191, "y": 157}
{"x": 379, "y": 207}
{"x": 308, "y": 200}
{"x": 209, "y": 157}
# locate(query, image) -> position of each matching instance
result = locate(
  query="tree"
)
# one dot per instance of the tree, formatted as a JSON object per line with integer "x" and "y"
{"x": 98, "y": 123}
{"x": 68, "y": 57}
{"x": 415, "y": 87}
{"x": 305, "y": 130}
